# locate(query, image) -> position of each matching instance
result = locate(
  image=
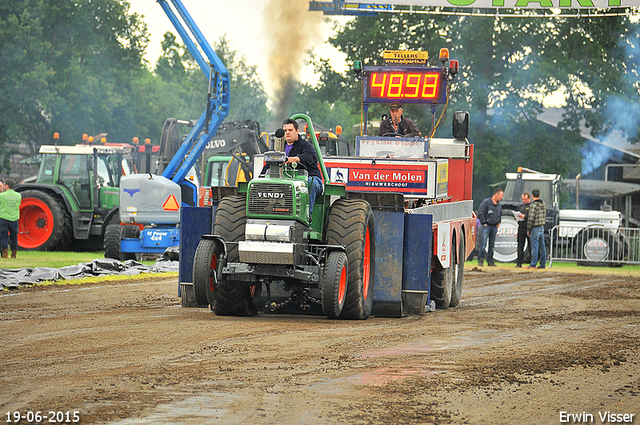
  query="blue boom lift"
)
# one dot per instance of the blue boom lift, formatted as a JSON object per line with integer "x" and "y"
{"x": 150, "y": 204}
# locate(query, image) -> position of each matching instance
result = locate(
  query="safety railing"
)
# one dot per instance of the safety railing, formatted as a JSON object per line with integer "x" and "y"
{"x": 595, "y": 245}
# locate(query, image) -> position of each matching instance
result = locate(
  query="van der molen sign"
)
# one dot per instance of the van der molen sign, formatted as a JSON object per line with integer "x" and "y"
{"x": 512, "y": 4}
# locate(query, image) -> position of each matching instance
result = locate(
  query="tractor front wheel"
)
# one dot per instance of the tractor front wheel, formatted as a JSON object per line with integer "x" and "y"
{"x": 205, "y": 269}
{"x": 334, "y": 286}
{"x": 600, "y": 247}
{"x": 232, "y": 298}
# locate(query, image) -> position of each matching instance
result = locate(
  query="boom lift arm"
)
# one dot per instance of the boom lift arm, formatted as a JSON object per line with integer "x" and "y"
{"x": 218, "y": 96}
{"x": 150, "y": 204}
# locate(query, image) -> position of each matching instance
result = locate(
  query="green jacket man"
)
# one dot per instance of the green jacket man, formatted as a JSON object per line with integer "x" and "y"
{"x": 9, "y": 214}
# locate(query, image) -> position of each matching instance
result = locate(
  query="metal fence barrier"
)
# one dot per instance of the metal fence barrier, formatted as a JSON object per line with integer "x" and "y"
{"x": 595, "y": 245}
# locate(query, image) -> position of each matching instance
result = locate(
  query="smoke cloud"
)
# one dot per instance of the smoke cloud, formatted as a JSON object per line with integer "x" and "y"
{"x": 593, "y": 157}
{"x": 292, "y": 28}
{"x": 626, "y": 113}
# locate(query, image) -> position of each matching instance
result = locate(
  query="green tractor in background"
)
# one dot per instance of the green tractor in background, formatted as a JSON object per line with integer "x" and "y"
{"x": 74, "y": 197}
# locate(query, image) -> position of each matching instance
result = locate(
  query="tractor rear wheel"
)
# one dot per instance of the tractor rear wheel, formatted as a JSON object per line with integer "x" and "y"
{"x": 334, "y": 285}
{"x": 442, "y": 283}
{"x": 44, "y": 223}
{"x": 350, "y": 224}
{"x": 205, "y": 269}
{"x": 232, "y": 298}
{"x": 458, "y": 278}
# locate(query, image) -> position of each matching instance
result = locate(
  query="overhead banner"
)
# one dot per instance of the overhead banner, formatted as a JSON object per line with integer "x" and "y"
{"x": 497, "y": 4}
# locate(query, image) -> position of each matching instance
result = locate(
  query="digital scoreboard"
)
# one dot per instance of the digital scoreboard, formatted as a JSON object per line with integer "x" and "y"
{"x": 406, "y": 85}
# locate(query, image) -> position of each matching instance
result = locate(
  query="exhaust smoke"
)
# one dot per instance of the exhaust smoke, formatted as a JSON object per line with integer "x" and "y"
{"x": 627, "y": 114}
{"x": 291, "y": 31}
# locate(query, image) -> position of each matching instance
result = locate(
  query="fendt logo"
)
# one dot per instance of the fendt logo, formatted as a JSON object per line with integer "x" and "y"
{"x": 274, "y": 195}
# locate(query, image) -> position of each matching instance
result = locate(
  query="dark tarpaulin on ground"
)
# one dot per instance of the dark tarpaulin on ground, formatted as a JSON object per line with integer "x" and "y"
{"x": 14, "y": 278}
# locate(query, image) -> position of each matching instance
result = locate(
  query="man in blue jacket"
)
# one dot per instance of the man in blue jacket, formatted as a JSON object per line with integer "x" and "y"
{"x": 489, "y": 214}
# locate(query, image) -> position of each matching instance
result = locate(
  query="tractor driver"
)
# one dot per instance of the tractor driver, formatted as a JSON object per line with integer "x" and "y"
{"x": 300, "y": 150}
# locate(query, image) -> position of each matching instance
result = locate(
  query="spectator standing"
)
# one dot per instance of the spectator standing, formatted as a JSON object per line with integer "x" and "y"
{"x": 489, "y": 214}
{"x": 535, "y": 226}
{"x": 9, "y": 214}
{"x": 523, "y": 209}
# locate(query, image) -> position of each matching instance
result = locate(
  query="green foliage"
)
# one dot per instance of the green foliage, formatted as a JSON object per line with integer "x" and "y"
{"x": 70, "y": 67}
{"x": 332, "y": 101}
{"x": 248, "y": 98}
{"x": 185, "y": 85}
{"x": 507, "y": 68}
{"x": 77, "y": 67}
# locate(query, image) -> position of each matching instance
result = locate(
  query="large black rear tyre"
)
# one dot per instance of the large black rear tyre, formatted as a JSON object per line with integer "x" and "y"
{"x": 458, "y": 276}
{"x": 506, "y": 246}
{"x": 334, "y": 285}
{"x": 350, "y": 224}
{"x": 232, "y": 298}
{"x": 442, "y": 283}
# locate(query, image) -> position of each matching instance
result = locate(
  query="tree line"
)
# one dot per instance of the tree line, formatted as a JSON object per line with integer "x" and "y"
{"x": 77, "y": 67}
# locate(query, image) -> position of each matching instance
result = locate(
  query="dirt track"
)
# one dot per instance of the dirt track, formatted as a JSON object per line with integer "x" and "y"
{"x": 522, "y": 347}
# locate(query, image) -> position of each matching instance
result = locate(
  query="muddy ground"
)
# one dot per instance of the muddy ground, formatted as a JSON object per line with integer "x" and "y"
{"x": 523, "y": 347}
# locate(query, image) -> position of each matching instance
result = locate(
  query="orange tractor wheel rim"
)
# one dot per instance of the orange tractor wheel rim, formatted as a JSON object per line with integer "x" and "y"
{"x": 35, "y": 225}
{"x": 366, "y": 272}
{"x": 342, "y": 286}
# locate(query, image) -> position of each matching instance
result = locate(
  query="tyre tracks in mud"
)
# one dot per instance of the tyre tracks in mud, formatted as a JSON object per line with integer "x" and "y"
{"x": 520, "y": 346}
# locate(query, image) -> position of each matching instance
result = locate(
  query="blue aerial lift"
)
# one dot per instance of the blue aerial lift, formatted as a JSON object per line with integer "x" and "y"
{"x": 150, "y": 204}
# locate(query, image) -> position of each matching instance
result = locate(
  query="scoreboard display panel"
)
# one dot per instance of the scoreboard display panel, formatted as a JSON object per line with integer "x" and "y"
{"x": 406, "y": 85}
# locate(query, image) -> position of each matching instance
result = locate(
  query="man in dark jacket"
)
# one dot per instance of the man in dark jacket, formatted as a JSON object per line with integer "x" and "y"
{"x": 523, "y": 209}
{"x": 397, "y": 125}
{"x": 490, "y": 215}
{"x": 535, "y": 226}
{"x": 301, "y": 151}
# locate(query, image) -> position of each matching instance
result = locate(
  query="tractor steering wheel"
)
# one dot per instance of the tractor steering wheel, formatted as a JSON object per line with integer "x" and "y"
{"x": 295, "y": 165}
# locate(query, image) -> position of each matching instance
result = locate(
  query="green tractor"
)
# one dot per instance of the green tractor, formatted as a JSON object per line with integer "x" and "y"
{"x": 267, "y": 253}
{"x": 74, "y": 196}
